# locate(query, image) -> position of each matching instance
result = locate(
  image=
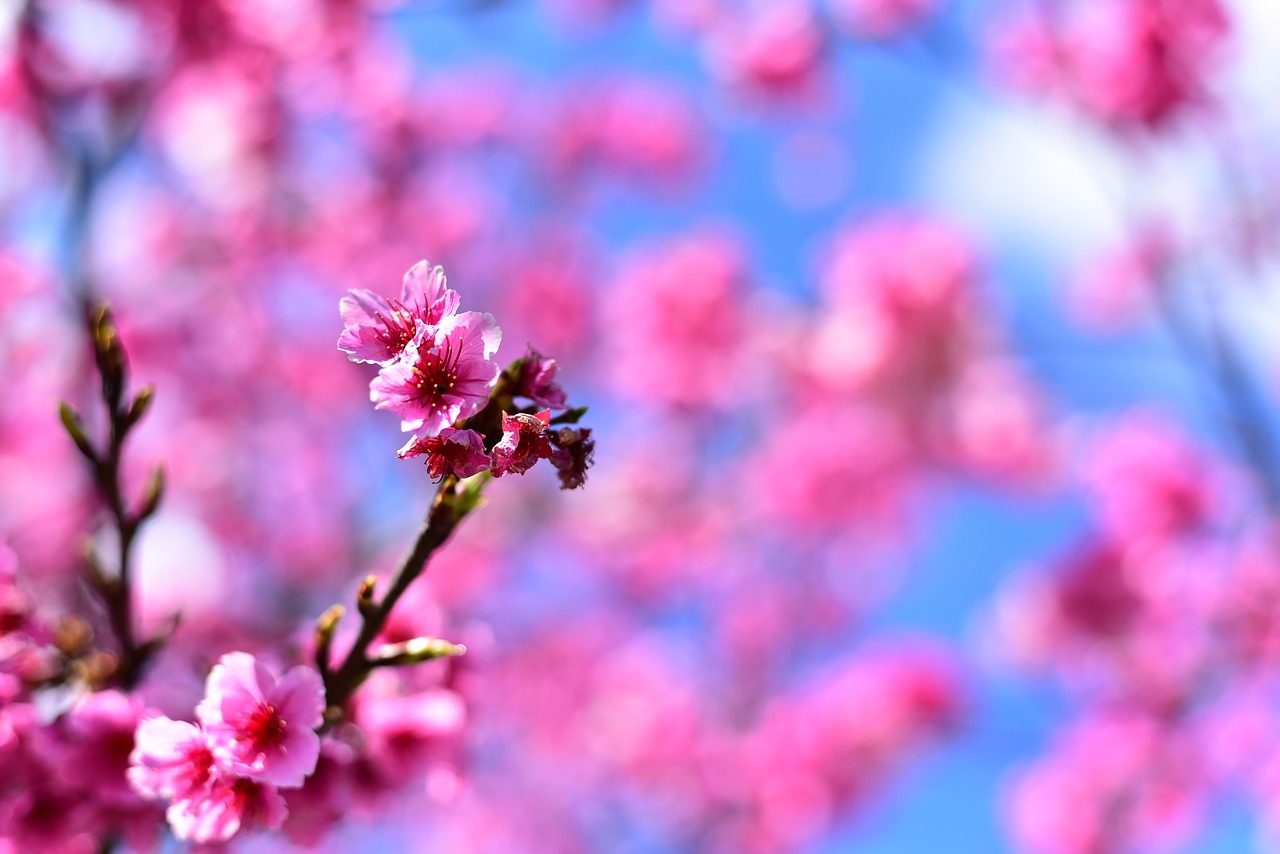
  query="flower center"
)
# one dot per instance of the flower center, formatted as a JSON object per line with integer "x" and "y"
{"x": 264, "y": 726}
{"x": 398, "y": 328}
{"x": 437, "y": 371}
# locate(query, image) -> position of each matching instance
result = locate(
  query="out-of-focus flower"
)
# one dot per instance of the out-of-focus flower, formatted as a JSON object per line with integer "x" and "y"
{"x": 538, "y": 381}
{"x": 677, "y": 331}
{"x": 171, "y": 759}
{"x": 226, "y": 807}
{"x": 219, "y": 122}
{"x": 1150, "y": 481}
{"x": 174, "y": 760}
{"x": 524, "y": 442}
{"x": 1117, "y": 781}
{"x": 900, "y": 319}
{"x": 259, "y": 727}
{"x": 445, "y": 373}
{"x": 324, "y": 799}
{"x": 833, "y": 467}
{"x": 770, "y": 49}
{"x": 378, "y": 329}
{"x": 454, "y": 452}
{"x": 1130, "y": 63}
{"x": 632, "y": 129}
{"x": 405, "y": 731}
{"x": 880, "y": 19}
{"x": 95, "y": 740}
{"x": 995, "y": 424}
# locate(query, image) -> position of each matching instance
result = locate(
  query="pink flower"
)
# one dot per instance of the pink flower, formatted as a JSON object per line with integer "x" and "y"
{"x": 1118, "y": 780}
{"x": 261, "y": 728}
{"x": 1151, "y": 482}
{"x": 95, "y": 742}
{"x": 538, "y": 381}
{"x": 880, "y": 19}
{"x": 678, "y": 330}
{"x": 900, "y": 293}
{"x": 444, "y": 373}
{"x": 175, "y": 760}
{"x": 171, "y": 759}
{"x": 773, "y": 50}
{"x": 378, "y": 328}
{"x": 454, "y": 452}
{"x": 325, "y": 799}
{"x": 524, "y": 442}
{"x": 1143, "y": 61}
{"x": 404, "y": 732}
{"x": 1129, "y": 63}
{"x": 228, "y": 806}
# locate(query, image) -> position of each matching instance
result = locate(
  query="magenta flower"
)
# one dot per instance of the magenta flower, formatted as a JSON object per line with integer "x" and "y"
{"x": 454, "y": 452}
{"x": 444, "y": 374}
{"x": 524, "y": 442}
{"x": 261, "y": 728}
{"x": 226, "y": 807}
{"x": 538, "y": 381}
{"x": 95, "y": 740}
{"x": 175, "y": 760}
{"x": 378, "y": 328}
{"x": 171, "y": 759}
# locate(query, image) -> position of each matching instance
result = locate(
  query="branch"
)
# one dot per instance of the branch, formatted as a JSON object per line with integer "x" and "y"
{"x": 104, "y": 465}
{"x": 451, "y": 505}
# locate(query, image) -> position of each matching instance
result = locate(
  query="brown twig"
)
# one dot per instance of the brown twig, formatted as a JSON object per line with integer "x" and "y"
{"x": 450, "y": 507}
{"x": 115, "y": 588}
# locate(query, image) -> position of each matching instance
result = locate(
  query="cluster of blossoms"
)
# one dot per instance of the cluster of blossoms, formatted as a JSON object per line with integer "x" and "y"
{"x": 1128, "y": 63}
{"x": 255, "y": 735}
{"x": 1163, "y": 625}
{"x": 436, "y": 369}
{"x": 1159, "y": 623}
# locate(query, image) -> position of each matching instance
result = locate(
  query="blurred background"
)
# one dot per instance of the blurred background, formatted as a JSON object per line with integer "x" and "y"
{"x": 930, "y": 350}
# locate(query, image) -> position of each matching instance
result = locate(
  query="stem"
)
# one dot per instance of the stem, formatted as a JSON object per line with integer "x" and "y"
{"x": 117, "y": 596}
{"x": 436, "y": 529}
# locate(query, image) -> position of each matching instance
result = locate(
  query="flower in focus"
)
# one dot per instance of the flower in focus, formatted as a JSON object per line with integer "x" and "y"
{"x": 259, "y": 727}
{"x": 378, "y": 329}
{"x": 445, "y": 373}
{"x": 454, "y": 452}
{"x": 524, "y": 442}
